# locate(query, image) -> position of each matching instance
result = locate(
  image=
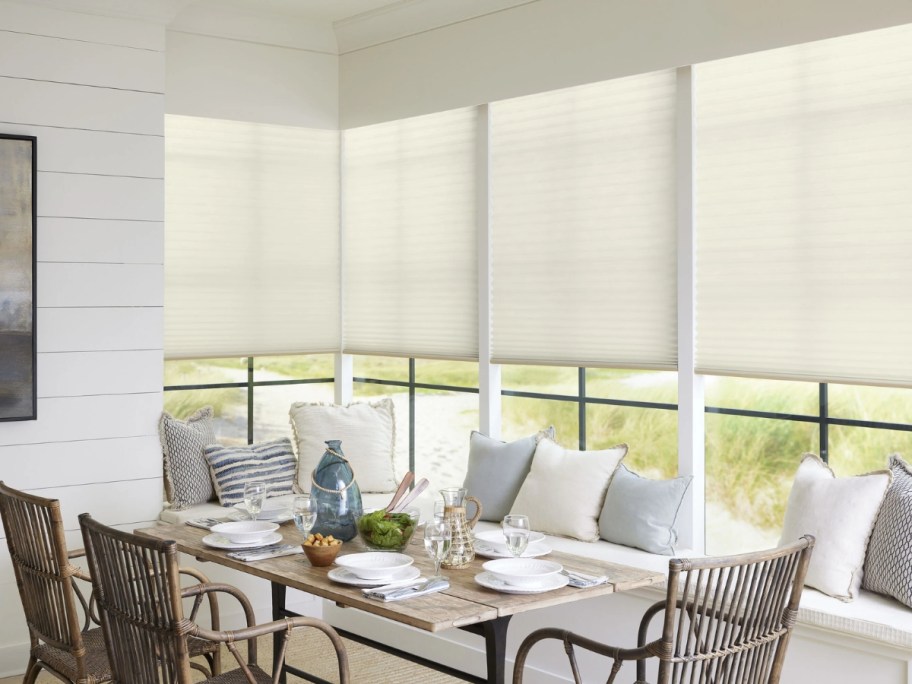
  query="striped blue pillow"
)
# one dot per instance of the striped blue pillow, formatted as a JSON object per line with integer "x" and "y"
{"x": 234, "y": 466}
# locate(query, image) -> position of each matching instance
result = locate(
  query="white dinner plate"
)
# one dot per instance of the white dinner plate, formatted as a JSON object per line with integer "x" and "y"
{"x": 217, "y": 541}
{"x": 343, "y": 576}
{"x": 483, "y": 548}
{"x": 486, "y": 579}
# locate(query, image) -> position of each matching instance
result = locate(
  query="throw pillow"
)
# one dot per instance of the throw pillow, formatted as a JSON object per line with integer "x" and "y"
{"x": 641, "y": 513}
{"x": 233, "y": 466}
{"x": 497, "y": 470}
{"x": 565, "y": 489}
{"x": 840, "y": 513}
{"x": 368, "y": 435}
{"x": 888, "y": 566}
{"x": 187, "y": 480}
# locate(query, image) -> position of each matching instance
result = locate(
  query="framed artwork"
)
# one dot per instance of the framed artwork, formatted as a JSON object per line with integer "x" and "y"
{"x": 18, "y": 210}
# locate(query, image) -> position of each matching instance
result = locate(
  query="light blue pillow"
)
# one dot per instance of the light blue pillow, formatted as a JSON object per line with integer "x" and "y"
{"x": 233, "y": 466}
{"x": 641, "y": 513}
{"x": 497, "y": 470}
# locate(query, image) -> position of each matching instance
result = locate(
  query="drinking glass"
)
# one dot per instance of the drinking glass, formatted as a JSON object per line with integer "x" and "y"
{"x": 305, "y": 513}
{"x": 516, "y": 531}
{"x": 254, "y": 493}
{"x": 437, "y": 540}
{"x": 438, "y": 509}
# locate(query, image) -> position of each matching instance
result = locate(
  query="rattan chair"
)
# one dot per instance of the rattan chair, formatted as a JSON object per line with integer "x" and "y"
{"x": 727, "y": 621}
{"x": 59, "y": 617}
{"x": 140, "y": 603}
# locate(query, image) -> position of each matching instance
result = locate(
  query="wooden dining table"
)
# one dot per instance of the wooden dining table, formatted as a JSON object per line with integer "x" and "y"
{"x": 464, "y": 605}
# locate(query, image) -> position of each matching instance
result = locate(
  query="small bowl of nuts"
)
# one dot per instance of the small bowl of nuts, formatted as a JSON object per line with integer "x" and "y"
{"x": 321, "y": 551}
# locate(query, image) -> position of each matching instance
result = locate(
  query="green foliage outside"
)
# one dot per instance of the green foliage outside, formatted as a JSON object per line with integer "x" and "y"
{"x": 750, "y": 461}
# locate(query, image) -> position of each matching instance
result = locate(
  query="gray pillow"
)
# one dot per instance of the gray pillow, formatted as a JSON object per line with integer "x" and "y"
{"x": 888, "y": 564}
{"x": 497, "y": 469}
{"x": 187, "y": 480}
{"x": 641, "y": 513}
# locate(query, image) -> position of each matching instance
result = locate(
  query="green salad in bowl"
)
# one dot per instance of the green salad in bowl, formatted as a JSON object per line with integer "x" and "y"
{"x": 385, "y": 531}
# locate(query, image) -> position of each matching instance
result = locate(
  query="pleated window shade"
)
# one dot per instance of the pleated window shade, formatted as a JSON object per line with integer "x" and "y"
{"x": 584, "y": 237}
{"x": 804, "y": 211}
{"x": 251, "y": 239}
{"x": 409, "y": 237}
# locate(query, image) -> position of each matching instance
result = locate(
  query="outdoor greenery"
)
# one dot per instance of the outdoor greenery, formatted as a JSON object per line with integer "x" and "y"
{"x": 750, "y": 461}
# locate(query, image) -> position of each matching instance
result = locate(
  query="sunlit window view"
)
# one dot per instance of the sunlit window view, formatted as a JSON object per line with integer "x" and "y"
{"x": 275, "y": 384}
{"x": 443, "y": 419}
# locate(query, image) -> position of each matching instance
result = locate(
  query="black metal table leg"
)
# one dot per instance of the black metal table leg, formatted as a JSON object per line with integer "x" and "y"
{"x": 495, "y": 636}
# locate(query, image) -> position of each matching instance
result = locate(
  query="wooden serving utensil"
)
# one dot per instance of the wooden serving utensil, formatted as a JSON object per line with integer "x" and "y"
{"x": 419, "y": 487}
{"x": 400, "y": 492}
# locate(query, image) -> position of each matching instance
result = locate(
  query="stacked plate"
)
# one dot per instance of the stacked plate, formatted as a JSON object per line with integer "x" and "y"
{"x": 243, "y": 534}
{"x": 522, "y": 576}
{"x": 491, "y": 544}
{"x": 373, "y": 569}
{"x": 274, "y": 510}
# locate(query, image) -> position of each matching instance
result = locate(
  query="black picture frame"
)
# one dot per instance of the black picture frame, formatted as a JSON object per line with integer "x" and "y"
{"x": 18, "y": 277}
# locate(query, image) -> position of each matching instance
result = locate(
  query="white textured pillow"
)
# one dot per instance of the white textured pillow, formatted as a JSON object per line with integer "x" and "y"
{"x": 565, "y": 489}
{"x": 368, "y": 435}
{"x": 840, "y": 513}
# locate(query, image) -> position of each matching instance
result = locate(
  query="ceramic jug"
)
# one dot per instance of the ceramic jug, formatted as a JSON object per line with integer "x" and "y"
{"x": 337, "y": 496}
{"x": 462, "y": 548}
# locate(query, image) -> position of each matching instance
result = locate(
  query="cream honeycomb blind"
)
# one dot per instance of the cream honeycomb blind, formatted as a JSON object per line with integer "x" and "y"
{"x": 583, "y": 222}
{"x": 804, "y": 211}
{"x": 251, "y": 239}
{"x": 409, "y": 237}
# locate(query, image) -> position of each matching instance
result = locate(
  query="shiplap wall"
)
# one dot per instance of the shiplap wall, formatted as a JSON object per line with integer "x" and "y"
{"x": 92, "y": 90}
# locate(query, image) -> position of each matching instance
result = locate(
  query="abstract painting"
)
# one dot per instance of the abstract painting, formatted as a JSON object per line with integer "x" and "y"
{"x": 18, "y": 394}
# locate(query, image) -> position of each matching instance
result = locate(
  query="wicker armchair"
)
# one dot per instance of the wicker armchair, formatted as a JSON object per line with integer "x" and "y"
{"x": 140, "y": 602}
{"x": 59, "y": 616}
{"x": 727, "y": 620}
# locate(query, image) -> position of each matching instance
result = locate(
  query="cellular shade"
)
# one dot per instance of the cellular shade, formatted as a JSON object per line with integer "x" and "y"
{"x": 583, "y": 221}
{"x": 804, "y": 210}
{"x": 411, "y": 274}
{"x": 251, "y": 239}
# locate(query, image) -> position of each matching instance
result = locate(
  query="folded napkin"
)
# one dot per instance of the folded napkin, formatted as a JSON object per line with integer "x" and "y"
{"x": 581, "y": 580}
{"x": 208, "y": 523}
{"x": 398, "y": 591}
{"x": 273, "y": 551}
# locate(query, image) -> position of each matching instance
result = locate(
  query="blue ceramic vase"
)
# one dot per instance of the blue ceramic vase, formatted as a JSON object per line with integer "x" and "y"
{"x": 338, "y": 498}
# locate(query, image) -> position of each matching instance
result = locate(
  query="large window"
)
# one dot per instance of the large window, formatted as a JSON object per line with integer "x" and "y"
{"x": 548, "y": 231}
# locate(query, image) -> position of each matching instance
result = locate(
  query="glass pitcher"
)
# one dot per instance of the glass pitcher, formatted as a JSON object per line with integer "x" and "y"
{"x": 462, "y": 548}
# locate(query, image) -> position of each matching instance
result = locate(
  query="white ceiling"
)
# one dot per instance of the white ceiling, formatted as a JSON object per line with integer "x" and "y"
{"x": 316, "y": 10}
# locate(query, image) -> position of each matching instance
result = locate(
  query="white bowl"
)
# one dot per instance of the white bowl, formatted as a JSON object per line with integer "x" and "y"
{"x": 372, "y": 565}
{"x": 245, "y": 531}
{"x": 496, "y": 539}
{"x": 522, "y": 572}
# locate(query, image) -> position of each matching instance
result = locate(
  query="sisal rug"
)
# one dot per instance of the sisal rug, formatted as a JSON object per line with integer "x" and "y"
{"x": 312, "y": 652}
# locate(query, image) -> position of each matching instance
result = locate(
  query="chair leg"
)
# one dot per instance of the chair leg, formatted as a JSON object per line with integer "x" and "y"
{"x": 31, "y": 672}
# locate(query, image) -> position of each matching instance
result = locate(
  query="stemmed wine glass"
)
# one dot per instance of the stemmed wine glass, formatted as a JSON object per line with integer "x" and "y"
{"x": 254, "y": 494}
{"x": 437, "y": 540}
{"x": 305, "y": 514}
{"x": 516, "y": 531}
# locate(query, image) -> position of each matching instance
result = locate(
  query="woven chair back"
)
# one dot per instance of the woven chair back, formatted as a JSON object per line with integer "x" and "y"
{"x": 728, "y": 620}
{"x": 44, "y": 575}
{"x": 137, "y": 589}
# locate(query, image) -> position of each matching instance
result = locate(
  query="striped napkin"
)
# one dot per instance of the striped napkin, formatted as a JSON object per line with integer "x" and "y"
{"x": 274, "y": 551}
{"x": 581, "y": 580}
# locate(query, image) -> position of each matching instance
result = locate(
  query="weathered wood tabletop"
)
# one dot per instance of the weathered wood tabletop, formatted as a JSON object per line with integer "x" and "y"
{"x": 464, "y": 603}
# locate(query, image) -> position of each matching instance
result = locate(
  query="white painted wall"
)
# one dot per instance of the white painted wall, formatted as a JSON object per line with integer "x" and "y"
{"x": 92, "y": 90}
{"x": 551, "y": 44}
